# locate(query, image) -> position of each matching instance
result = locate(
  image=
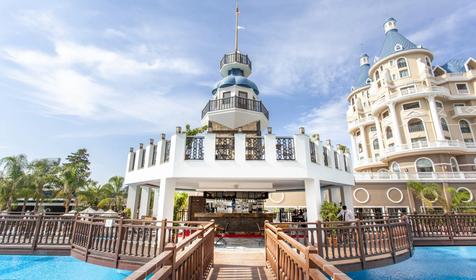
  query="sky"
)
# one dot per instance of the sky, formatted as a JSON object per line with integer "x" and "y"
{"x": 108, "y": 75}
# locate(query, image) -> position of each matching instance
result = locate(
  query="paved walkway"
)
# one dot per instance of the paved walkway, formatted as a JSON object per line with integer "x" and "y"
{"x": 238, "y": 262}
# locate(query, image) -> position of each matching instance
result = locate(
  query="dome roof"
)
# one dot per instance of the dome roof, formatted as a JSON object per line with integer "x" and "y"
{"x": 363, "y": 76}
{"x": 232, "y": 80}
{"x": 392, "y": 39}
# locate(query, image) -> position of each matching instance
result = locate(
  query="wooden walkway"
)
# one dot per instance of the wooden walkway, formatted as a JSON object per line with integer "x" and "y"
{"x": 240, "y": 264}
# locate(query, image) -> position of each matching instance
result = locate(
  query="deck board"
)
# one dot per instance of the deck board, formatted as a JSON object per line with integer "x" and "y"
{"x": 240, "y": 264}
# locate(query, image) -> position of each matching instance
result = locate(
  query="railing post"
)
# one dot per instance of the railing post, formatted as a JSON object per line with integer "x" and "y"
{"x": 319, "y": 239}
{"x": 171, "y": 262}
{"x": 37, "y": 232}
{"x": 264, "y": 242}
{"x": 449, "y": 227}
{"x": 90, "y": 234}
{"x": 409, "y": 234}
{"x": 163, "y": 231}
{"x": 361, "y": 243}
{"x": 73, "y": 232}
{"x": 119, "y": 241}
{"x": 391, "y": 239}
{"x": 279, "y": 275}
{"x": 309, "y": 265}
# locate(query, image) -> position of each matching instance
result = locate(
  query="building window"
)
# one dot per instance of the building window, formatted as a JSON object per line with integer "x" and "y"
{"x": 373, "y": 128}
{"x": 407, "y": 90}
{"x": 459, "y": 105}
{"x": 401, "y": 63}
{"x": 428, "y": 62}
{"x": 360, "y": 148}
{"x": 388, "y": 132}
{"x": 454, "y": 165}
{"x": 464, "y": 126}
{"x": 377, "y": 75}
{"x": 398, "y": 47}
{"x": 375, "y": 144}
{"x": 391, "y": 62}
{"x": 462, "y": 88}
{"x": 415, "y": 125}
{"x": 395, "y": 167}
{"x": 413, "y": 105}
{"x": 226, "y": 98}
{"x": 439, "y": 105}
{"x": 385, "y": 114}
{"x": 421, "y": 141}
{"x": 243, "y": 94}
{"x": 403, "y": 73}
{"x": 424, "y": 165}
{"x": 444, "y": 125}
{"x": 336, "y": 160}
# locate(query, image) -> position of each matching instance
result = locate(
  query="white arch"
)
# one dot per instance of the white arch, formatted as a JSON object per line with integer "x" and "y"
{"x": 470, "y": 129}
{"x": 451, "y": 164}
{"x": 421, "y": 158}
{"x": 393, "y": 165}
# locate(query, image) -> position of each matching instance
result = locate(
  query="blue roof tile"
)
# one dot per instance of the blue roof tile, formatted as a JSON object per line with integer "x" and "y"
{"x": 392, "y": 38}
{"x": 363, "y": 76}
{"x": 455, "y": 65}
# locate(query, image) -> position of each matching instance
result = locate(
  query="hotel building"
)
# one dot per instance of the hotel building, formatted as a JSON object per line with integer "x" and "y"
{"x": 409, "y": 119}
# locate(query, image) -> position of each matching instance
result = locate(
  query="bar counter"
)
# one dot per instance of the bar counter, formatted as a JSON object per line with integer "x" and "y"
{"x": 238, "y": 222}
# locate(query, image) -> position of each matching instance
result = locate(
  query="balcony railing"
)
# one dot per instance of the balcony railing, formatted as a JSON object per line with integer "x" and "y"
{"x": 194, "y": 148}
{"x": 254, "y": 148}
{"x": 235, "y": 57}
{"x": 464, "y": 111}
{"x": 405, "y": 176}
{"x": 417, "y": 90}
{"x": 426, "y": 144}
{"x": 225, "y": 148}
{"x": 235, "y": 102}
{"x": 285, "y": 148}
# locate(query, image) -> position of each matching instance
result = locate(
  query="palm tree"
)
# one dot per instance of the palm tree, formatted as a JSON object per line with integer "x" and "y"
{"x": 43, "y": 174}
{"x": 69, "y": 179}
{"x": 91, "y": 194}
{"x": 114, "y": 193}
{"x": 14, "y": 177}
{"x": 429, "y": 194}
{"x": 26, "y": 191}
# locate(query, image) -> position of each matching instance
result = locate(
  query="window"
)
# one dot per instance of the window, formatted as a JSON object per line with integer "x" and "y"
{"x": 384, "y": 114}
{"x": 398, "y": 47}
{"x": 226, "y": 94}
{"x": 439, "y": 105}
{"x": 388, "y": 132}
{"x": 243, "y": 94}
{"x": 336, "y": 160}
{"x": 462, "y": 88}
{"x": 226, "y": 98}
{"x": 373, "y": 128}
{"x": 421, "y": 141}
{"x": 395, "y": 167}
{"x": 391, "y": 62}
{"x": 444, "y": 125}
{"x": 413, "y": 105}
{"x": 403, "y": 73}
{"x": 454, "y": 165}
{"x": 469, "y": 140}
{"x": 360, "y": 148}
{"x": 407, "y": 90}
{"x": 401, "y": 63}
{"x": 428, "y": 62}
{"x": 375, "y": 144}
{"x": 415, "y": 125}
{"x": 459, "y": 105}
{"x": 377, "y": 75}
{"x": 464, "y": 126}
{"x": 325, "y": 153}
{"x": 424, "y": 165}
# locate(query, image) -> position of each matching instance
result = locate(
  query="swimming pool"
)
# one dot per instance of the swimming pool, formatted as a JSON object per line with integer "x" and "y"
{"x": 54, "y": 268}
{"x": 437, "y": 263}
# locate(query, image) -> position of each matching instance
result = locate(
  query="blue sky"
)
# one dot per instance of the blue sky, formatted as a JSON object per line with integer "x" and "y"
{"x": 107, "y": 75}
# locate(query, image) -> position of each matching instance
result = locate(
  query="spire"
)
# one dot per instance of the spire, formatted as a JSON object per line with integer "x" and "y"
{"x": 237, "y": 13}
{"x": 390, "y": 24}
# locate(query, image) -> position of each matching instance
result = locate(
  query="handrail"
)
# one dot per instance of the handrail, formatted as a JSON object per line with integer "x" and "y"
{"x": 235, "y": 102}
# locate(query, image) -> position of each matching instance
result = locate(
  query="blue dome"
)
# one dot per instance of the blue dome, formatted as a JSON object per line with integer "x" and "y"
{"x": 393, "y": 38}
{"x": 232, "y": 80}
{"x": 363, "y": 76}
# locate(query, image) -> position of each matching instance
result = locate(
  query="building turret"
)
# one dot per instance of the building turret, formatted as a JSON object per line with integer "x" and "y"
{"x": 363, "y": 78}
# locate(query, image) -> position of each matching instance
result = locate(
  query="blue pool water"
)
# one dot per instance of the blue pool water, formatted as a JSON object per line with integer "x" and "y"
{"x": 429, "y": 263}
{"x": 54, "y": 268}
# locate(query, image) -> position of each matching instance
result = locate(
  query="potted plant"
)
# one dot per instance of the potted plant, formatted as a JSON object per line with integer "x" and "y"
{"x": 329, "y": 212}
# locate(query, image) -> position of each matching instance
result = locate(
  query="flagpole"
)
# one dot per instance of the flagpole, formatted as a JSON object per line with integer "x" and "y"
{"x": 237, "y": 12}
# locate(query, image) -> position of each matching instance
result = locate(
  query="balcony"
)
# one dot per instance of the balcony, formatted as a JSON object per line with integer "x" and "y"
{"x": 360, "y": 122}
{"x": 425, "y": 145}
{"x": 407, "y": 94}
{"x": 235, "y": 102}
{"x": 464, "y": 111}
{"x": 420, "y": 176}
{"x": 235, "y": 57}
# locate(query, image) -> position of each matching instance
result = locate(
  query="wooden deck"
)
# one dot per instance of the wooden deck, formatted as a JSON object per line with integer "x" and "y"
{"x": 248, "y": 264}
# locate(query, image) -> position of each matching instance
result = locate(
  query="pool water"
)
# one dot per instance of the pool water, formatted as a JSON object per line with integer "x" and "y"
{"x": 16, "y": 267}
{"x": 429, "y": 263}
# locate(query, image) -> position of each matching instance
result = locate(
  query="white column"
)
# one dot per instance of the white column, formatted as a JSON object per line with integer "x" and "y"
{"x": 209, "y": 147}
{"x": 348, "y": 197}
{"x": 155, "y": 207}
{"x": 365, "y": 147}
{"x": 166, "y": 199}
{"x": 240, "y": 139}
{"x": 395, "y": 126}
{"x": 435, "y": 118}
{"x": 270, "y": 148}
{"x": 313, "y": 199}
{"x": 355, "y": 152}
{"x": 379, "y": 134}
{"x": 301, "y": 149}
{"x": 133, "y": 199}
{"x": 144, "y": 201}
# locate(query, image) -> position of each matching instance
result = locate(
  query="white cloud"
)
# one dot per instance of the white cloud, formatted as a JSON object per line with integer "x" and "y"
{"x": 328, "y": 119}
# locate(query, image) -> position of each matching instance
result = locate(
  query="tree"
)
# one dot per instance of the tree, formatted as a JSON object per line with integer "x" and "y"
{"x": 329, "y": 211}
{"x": 43, "y": 174}
{"x": 90, "y": 194}
{"x": 74, "y": 175}
{"x": 180, "y": 203}
{"x": 114, "y": 194}
{"x": 194, "y": 131}
{"x": 430, "y": 194}
{"x": 14, "y": 178}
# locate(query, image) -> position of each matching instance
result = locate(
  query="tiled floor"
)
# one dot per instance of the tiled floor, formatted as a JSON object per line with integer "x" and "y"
{"x": 241, "y": 259}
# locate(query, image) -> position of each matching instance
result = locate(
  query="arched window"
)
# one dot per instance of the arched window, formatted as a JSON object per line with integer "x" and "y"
{"x": 360, "y": 148}
{"x": 415, "y": 125}
{"x": 464, "y": 126}
{"x": 444, "y": 125}
{"x": 377, "y": 75}
{"x": 375, "y": 144}
{"x": 454, "y": 165}
{"x": 401, "y": 63}
{"x": 388, "y": 132}
{"x": 424, "y": 165}
{"x": 428, "y": 62}
{"x": 395, "y": 167}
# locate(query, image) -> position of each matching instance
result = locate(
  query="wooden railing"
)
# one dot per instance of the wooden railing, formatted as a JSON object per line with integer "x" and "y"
{"x": 289, "y": 259}
{"x": 443, "y": 229}
{"x": 191, "y": 258}
{"x": 31, "y": 231}
{"x": 124, "y": 243}
{"x": 357, "y": 243}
